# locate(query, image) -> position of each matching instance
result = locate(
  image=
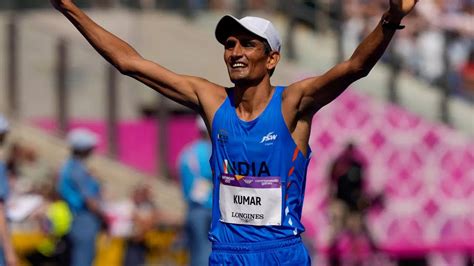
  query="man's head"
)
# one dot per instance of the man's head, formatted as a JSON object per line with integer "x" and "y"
{"x": 4, "y": 128}
{"x": 82, "y": 142}
{"x": 252, "y": 47}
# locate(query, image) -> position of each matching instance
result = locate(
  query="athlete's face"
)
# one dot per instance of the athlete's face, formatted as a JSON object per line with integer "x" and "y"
{"x": 247, "y": 58}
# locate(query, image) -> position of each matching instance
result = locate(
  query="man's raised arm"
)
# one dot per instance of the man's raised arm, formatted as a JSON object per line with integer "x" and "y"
{"x": 316, "y": 92}
{"x": 180, "y": 88}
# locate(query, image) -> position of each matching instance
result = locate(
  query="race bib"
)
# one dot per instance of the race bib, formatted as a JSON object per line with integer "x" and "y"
{"x": 250, "y": 200}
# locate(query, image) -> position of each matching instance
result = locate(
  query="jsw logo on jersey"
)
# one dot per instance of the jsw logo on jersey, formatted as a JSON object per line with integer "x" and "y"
{"x": 269, "y": 137}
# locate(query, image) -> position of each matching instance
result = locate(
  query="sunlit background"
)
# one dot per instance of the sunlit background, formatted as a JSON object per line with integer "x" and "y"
{"x": 411, "y": 119}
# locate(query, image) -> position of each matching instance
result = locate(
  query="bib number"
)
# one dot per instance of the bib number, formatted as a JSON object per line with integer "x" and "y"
{"x": 250, "y": 200}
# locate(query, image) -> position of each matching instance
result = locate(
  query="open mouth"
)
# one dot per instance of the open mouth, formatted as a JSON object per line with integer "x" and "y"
{"x": 237, "y": 65}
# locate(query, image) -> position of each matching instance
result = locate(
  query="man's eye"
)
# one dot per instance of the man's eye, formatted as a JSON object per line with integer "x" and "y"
{"x": 248, "y": 44}
{"x": 229, "y": 44}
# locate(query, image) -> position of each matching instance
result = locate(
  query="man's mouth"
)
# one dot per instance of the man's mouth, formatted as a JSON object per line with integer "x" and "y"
{"x": 238, "y": 65}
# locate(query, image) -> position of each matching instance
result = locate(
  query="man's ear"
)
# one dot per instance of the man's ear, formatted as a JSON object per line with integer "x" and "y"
{"x": 273, "y": 59}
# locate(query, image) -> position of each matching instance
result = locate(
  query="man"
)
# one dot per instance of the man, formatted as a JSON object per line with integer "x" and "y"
{"x": 259, "y": 132}
{"x": 348, "y": 205}
{"x": 196, "y": 181}
{"x": 347, "y": 179}
{"x": 81, "y": 191}
{"x": 144, "y": 216}
{"x": 7, "y": 253}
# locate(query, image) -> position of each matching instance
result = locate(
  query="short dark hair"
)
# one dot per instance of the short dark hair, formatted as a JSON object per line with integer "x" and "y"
{"x": 268, "y": 50}
{"x": 267, "y": 47}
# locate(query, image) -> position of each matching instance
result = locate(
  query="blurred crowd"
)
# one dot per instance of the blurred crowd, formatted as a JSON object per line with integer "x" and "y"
{"x": 66, "y": 206}
{"x": 437, "y": 44}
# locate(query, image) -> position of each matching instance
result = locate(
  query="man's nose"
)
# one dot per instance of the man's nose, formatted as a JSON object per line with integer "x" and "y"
{"x": 237, "y": 51}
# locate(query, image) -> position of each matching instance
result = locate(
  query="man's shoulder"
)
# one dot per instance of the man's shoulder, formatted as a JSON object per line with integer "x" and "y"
{"x": 73, "y": 169}
{"x": 206, "y": 86}
{"x": 214, "y": 92}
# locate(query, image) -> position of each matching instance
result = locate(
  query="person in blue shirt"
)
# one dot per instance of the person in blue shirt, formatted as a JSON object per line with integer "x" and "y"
{"x": 259, "y": 131}
{"x": 7, "y": 253}
{"x": 82, "y": 193}
{"x": 196, "y": 182}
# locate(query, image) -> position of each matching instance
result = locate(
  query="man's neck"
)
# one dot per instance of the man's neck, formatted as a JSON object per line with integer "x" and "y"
{"x": 250, "y": 101}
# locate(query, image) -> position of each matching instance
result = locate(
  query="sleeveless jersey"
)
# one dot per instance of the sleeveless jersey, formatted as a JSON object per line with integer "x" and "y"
{"x": 259, "y": 176}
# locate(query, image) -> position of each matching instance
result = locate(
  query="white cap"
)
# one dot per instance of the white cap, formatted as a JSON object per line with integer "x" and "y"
{"x": 82, "y": 139}
{"x": 200, "y": 124}
{"x": 258, "y": 26}
{"x": 4, "y": 125}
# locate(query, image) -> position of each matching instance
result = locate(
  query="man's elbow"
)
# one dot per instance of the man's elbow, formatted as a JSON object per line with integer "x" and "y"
{"x": 125, "y": 66}
{"x": 359, "y": 70}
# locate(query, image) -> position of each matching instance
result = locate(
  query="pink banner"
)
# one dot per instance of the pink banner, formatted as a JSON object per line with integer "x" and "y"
{"x": 424, "y": 170}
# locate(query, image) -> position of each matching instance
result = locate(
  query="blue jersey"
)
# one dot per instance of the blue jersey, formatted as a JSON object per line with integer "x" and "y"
{"x": 3, "y": 182}
{"x": 196, "y": 175}
{"x": 75, "y": 185}
{"x": 259, "y": 176}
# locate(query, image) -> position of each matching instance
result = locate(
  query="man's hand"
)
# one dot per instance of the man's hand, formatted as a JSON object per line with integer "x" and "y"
{"x": 401, "y": 8}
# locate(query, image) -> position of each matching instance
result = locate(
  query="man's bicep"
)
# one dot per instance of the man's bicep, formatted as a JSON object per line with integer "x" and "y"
{"x": 179, "y": 88}
{"x": 321, "y": 90}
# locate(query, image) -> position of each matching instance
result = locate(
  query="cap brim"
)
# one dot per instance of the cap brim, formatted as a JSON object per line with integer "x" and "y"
{"x": 227, "y": 25}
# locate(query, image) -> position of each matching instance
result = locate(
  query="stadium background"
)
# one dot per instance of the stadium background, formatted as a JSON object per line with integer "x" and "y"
{"x": 416, "y": 127}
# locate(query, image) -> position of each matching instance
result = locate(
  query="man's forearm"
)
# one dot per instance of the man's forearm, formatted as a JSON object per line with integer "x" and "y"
{"x": 112, "y": 48}
{"x": 373, "y": 46}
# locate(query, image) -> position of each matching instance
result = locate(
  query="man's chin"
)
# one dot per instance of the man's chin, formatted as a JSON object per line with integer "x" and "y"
{"x": 238, "y": 79}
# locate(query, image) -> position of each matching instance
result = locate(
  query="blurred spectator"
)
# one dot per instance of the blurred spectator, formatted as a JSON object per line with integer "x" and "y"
{"x": 144, "y": 216}
{"x": 55, "y": 219}
{"x": 196, "y": 180}
{"x": 467, "y": 77}
{"x": 346, "y": 177}
{"x": 352, "y": 27}
{"x": 359, "y": 19}
{"x": 349, "y": 203}
{"x": 7, "y": 253}
{"x": 470, "y": 259}
{"x": 437, "y": 28}
{"x": 82, "y": 193}
{"x": 30, "y": 173}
